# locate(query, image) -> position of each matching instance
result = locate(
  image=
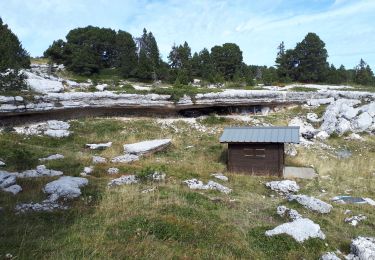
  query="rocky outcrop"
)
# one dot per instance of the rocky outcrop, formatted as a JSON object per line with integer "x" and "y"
{"x": 283, "y": 187}
{"x": 362, "y": 248}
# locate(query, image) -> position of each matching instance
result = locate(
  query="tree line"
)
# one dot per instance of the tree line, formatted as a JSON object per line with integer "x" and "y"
{"x": 91, "y": 50}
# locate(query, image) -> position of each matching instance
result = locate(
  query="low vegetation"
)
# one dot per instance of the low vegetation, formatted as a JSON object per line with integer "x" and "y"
{"x": 173, "y": 221}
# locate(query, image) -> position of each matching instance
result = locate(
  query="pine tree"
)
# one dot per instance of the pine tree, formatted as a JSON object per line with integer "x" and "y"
{"x": 363, "y": 74}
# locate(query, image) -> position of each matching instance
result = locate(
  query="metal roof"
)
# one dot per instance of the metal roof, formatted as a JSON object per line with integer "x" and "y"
{"x": 278, "y": 134}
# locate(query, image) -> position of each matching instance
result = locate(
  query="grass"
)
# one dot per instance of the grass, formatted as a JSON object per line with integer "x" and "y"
{"x": 173, "y": 221}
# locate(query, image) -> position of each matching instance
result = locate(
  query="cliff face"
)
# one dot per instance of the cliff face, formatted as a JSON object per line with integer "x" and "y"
{"x": 75, "y": 100}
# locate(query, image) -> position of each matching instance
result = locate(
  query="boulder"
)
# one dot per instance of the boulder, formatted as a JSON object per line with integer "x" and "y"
{"x": 7, "y": 179}
{"x": 300, "y": 229}
{"x": 311, "y": 203}
{"x": 362, "y": 248}
{"x": 283, "y": 187}
{"x": 87, "y": 171}
{"x": 40, "y": 171}
{"x": 101, "y": 146}
{"x": 147, "y": 147}
{"x": 66, "y": 187}
{"x": 349, "y": 112}
{"x": 43, "y": 85}
{"x": 44, "y": 206}
{"x": 343, "y": 126}
{"x": 57, "y": 133}
{"x": 52, "y": 157}
{"x": 362, "y": 122}
{"x": 125, "y": 179}
{"x": 312, "y": 117}
{"x": 217, "y": 186}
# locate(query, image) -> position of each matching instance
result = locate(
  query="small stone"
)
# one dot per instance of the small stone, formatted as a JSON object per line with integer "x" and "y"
{"x": 101, "y": 146}
{"x": 113, "y": 171}
{"x": 355, "y": 220}
{"x": 52, "y": 157}
{"x": 98, "y": 159}
{"x": 2, "y": 163}
{"x": 127, "y": 158}
{"x": 290, "y": 213}
{"x": 220, "y": 176}
{"x": 87, "y": 171}
{"x": 125, "y": 179}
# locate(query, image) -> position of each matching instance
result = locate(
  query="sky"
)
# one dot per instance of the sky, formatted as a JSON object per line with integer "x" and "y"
{"x": 257, "y": 26}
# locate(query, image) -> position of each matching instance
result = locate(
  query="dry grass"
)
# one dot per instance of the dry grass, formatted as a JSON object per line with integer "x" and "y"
{"x": 173, "y": 221}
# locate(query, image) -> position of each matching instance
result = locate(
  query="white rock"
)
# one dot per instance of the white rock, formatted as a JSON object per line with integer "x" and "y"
{"x": 113, "y": 171}
{"x": 290, "y": 150}
{"x": 7, "y": 179}
{"x": 87, "y": 171}
{"x": 2, "y": 163}
{"x": 369, "y": 108}
{"x": 304, "y": 127}
{"x": 52, "y": 157}
{"x": 284, "y": 186}
{"x": 290, "y": 213}
{"x": 146, "y": 147}
{"x": 127, "y": 158}
{"x": 40, "y": 171}
{"x": 43, "y": 85}
{"x": 343, "y": 126}
{"x": 45, "y": 206}
{"x": 355, "y": 220}
{"x": 362, "y": 248}
{"x": 14, "y": 189}
{"x": 362, "y": 122}
{"x": 57, "y": 133}
{"x": 322, "y": 135}
{"x": 158, "y": 176}
{"x": 101, "y": 87}
{"x": 65, "y": 187}
{"x": 354, "y": 136}
{"x": 195, "y": 184}
{"x": 300, "y": 229}
{"x": 99, "y": 159}
{"x": 349, "y": 112}
{"x": 311, "y": 203}
{"x": 265, "y": 111}
{"x": 312, "y": 117}
{"x": 329, "y": 256}
{"x": 125, "y": 179}
{"x": 220, "y": 176}
{"x": 99, "y": 146}
{"x": 321, "y": 101}
{"x": 58, "y": 125}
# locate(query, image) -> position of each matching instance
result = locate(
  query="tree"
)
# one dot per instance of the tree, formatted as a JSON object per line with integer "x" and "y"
{"x": 311, "y": 59}
{"x": 12, "y": 58}
{"x": 363, "y": 74}
{"x": 227, "y": 59}
{"x": 180, "y": 63}
{"x": 12, "y": 55}
{"x": 56, "y": 51}
{"x": 125, "y": 56}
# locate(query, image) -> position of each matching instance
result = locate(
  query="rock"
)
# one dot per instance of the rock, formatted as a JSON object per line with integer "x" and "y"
{"x": 40, "y": 171}
{"x": 148, "y": 190}
{"x": 220, "y": 176}
{"x": 349, "y": 199}
{"x": 321, "y": 101}
{"x": 147, "y": 147}
{"x": 113, "y": 171}
{"x": 14, "y": 189}
{"x": 312, "y": 117}
{"x": 57, "y": 133}
{"x": 349, "y": 112}
{"x": 355, "y": 220}
{"x": 292, "y": 214}
{"x": 2, "y": 163}
{"x": 127, "y": 158}
{"x": 87, "y": 171}
{"x": 343, "y": 126}
{"x": 195, "y": 184}
{"x": 354, "y": 137}
{"x": 66, "y": 187}
{"x": 125, "y": 179}
{"x": 311, "y": 203}
{"x": 51, "y": 128}
{"x": 57, "y": 125}
{"x": 45, "y": 206}
{"x": 101, "y": 87}
{"x": 43, "y": 85}
{"x": 265, "y": 111}
{"x": 7, "y": 179}
{"x": 369, "y": 108}
{"x": 304, "y": 127}
{"x": 158, "y": 176}
{"x": 284, "y": 186}
{"x": 98, "y": 159}
{"x": 362, "y": 248}
{"x": 52, "y": 157}
{"x": 308, "y": 135}
{"x": 300, "y": 229}
{"x": 101, "y": 146}
{"x": 322, "y": 135}
{"x": 290, "y": 150}
{"x": 362, "y": 122}
{"x": 329, "y": 256}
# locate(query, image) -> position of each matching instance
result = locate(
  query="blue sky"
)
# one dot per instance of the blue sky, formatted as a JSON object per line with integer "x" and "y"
{"x": 257, "y": 26}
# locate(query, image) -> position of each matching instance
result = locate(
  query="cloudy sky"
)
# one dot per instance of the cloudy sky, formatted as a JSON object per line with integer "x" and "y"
{"x": 257, "y": 26}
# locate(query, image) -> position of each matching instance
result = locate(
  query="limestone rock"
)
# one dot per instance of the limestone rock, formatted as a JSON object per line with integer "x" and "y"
{"x": 2, "y": 163}
{"x": 7, "y": 179}
{"x": 292, "y": 214}
{"x": 14, "y": 189}
{"x": 312, "y": 117}
{"x": 220, "y": 176}
{"x": 322, "y": 135}
{"x": 311, "y": 203}
{"x": 101, "y": 146}
{"x": 52, "y": 157}
{"x": 113, "y": 171}
{"x": 355, "y": 220}
{"x": 354, "y": 137}
{"x": 127, "y": 158}
{"x": 195, "y": 184}
{"x": 343, "y": 126}
{"x": 98, "y": 159}
{"x": 300, "y": 229}
{"x": 147, "y": 147}
{"x": 66, "y": 187}
{"x": 125, "y": 179}
{"x": 87, "y": 170}
{"x": 284, "y": 186}
{"x": 329, "y": 256}
{"x": 363, "y": 122}
{"x": 362, "y": 248}
{"x": 40, "y": 171}
{"x": 43, "y": 85}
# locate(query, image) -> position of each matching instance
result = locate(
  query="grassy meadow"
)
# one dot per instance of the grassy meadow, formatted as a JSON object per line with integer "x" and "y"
{"x": 174, "y": 222}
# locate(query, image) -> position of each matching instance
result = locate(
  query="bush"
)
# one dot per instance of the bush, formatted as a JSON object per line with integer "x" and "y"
{"x": 12, "y": 80}
{"x": 22, "y": 159}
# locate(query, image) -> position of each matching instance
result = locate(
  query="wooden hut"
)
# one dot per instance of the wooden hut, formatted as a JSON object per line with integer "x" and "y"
{"x": 258, "y": 150}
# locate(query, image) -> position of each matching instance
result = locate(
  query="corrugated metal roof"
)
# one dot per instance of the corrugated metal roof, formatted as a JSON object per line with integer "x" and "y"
{"x": 278, "y": 134}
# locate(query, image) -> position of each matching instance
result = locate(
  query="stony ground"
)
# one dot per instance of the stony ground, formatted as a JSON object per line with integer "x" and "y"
{"x": 165, "y": 219}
